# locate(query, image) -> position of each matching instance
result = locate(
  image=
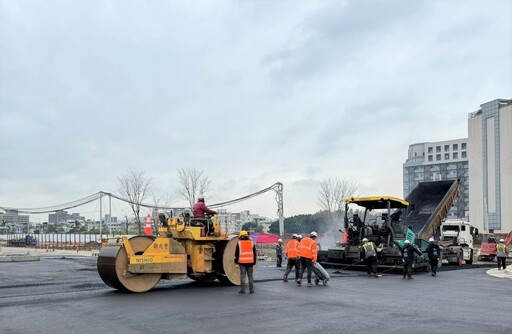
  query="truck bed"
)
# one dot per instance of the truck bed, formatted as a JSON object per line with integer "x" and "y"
{"x": 431, "y": 201}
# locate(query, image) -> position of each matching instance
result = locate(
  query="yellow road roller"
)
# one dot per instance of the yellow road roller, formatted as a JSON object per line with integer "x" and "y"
{"x": 185, "y": 247}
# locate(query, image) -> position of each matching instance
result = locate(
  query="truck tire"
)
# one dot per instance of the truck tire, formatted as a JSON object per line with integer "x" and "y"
{"x": 460, "y": 257}
{"x": 470, "y": 261}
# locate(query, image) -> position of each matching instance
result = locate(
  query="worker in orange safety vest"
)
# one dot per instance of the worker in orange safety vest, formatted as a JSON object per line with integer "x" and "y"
{"x": 292, "y": 253}
{"x": 308, "y": 254}
{"x": 245, "y": 259}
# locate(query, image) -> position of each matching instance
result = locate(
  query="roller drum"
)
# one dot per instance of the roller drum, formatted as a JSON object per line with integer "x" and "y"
{"x": 113, "y": 265}
{"x": 227, "y": 272}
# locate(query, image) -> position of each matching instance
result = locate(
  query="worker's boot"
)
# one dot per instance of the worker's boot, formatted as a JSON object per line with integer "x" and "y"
{"x": 310, "y": 285}
{"x": 285, "y": 279}
{"x": 298, "y": 281}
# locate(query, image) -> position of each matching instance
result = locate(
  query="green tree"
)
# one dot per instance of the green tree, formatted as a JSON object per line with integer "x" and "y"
{"x": 51, "y": 229}
{"x": 250, "y": 226}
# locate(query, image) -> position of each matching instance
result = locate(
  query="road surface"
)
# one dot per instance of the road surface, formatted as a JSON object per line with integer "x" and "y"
{"x": 66, "y": 295}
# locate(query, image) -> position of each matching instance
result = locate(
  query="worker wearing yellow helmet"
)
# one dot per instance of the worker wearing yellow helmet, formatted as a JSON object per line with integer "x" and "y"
{"x": 245, "y": 258}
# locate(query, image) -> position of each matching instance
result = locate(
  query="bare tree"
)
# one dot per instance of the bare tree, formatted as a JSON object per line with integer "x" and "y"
{"x": 332, "y": 192}
{"x": 160, "y": 202}
{"x": 192, "y": 184}
{"x": 135, "y": 186}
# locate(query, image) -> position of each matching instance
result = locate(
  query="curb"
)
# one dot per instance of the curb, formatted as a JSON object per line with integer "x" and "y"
{"x": 19, "y": 258}
{"x": 507, "y": 273}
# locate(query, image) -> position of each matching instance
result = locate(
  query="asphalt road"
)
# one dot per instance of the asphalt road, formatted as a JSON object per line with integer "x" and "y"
{"x": 66, "y": 295}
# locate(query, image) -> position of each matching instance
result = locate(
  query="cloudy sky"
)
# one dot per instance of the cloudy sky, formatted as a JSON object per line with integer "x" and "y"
{"x": 251, "y": 92}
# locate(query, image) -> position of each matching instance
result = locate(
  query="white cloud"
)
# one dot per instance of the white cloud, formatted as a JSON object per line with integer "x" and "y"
{"x": 252, "y": 93}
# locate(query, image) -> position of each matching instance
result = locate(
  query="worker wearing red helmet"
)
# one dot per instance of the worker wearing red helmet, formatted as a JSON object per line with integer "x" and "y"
{"x": 202, "y": 212}
{"x": 200, "y": 209}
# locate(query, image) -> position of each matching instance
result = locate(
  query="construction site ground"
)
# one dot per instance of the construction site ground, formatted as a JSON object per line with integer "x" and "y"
{"x": 62, "y": 292}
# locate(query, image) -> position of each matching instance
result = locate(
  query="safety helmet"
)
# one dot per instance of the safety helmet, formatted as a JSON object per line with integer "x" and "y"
{"x": 431, "y": 239}
{"x": 243, "y": 233}
{"x": 280, "y": 240}
{"x": 501, "y": 240}
{"x": 407, "y": 242}
{"x": 299, "y": 236}
{"x": 365, "y": 240}
{"x": 294, "y": 236}
{"x": 313, "y": 234}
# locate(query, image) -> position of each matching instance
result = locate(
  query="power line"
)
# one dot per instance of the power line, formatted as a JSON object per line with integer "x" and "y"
{"x": 96, "y": 196}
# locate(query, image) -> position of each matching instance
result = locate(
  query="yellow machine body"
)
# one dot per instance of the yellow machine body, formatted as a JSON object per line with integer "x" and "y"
{"x": 185, "y": 247}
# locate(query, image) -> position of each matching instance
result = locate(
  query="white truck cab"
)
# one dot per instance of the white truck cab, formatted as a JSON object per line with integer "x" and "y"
{"x": 457, "y": 241}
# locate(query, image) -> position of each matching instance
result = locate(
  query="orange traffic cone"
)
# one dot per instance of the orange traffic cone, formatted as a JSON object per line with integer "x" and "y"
{"x": 148, "y": 230}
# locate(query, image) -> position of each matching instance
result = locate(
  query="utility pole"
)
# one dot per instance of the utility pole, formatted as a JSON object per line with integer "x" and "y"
{"x": 280, "y": 210}
{"x": 101, "y": 213}
{"x": 110, "y": 212}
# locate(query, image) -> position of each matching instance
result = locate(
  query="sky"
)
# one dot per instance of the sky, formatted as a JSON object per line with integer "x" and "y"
{"x": 250, "y": 92}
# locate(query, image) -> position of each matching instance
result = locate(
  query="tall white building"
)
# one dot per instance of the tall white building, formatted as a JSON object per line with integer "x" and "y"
{"x": 435, "y": 161}
{"x": 490, "y": 166}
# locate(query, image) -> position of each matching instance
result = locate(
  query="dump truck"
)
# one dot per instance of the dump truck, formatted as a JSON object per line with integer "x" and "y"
{"x": 388, "y": 221}
{"x": 185, "y": 247}
{"x": 456, "y": 241}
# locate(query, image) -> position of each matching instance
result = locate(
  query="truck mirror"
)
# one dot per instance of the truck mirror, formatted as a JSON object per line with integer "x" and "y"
{"x": 476, "y": 232}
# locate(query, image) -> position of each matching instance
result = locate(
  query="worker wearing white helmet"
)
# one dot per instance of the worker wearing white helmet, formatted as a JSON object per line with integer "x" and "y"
{"x": 308, "y": 251}
{"x": 279, "y": 253}
{"x": 501, "y": 254}
{"x": 408, "y": 258}
{"x": 292, "y": 253}
{"x": 434, "y": 253}
{"x": 369, "y": 254}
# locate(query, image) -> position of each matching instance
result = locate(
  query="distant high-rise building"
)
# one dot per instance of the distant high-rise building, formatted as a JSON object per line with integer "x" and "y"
{"x": 490, "y": 166}
{"x": 62, "y": 216}
{"x": 435, "y": 161}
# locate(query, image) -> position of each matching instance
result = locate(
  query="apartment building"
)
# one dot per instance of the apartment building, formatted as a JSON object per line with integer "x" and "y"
{"x": 490, "y": 166}
{"x": 435, "y": 161}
